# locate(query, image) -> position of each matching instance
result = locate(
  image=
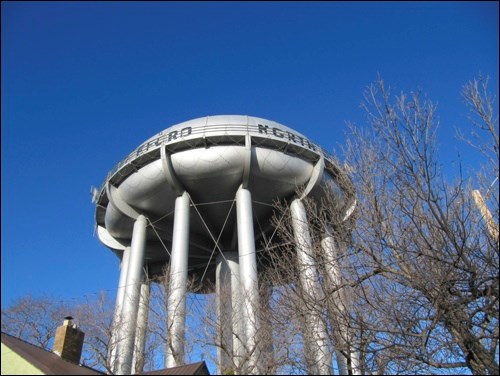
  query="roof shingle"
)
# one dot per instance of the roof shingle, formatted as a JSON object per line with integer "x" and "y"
{"x": 199, "y": 368}
{"x": 47, "y": 362}
{"x": 51, "y": 364}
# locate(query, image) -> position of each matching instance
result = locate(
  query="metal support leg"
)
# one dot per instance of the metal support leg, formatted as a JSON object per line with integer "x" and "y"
{"x": 117, "y": 317}
{"x": 268, "y": 361}
{"x": 337, "y": 303}
{"x": 176, "y": 304}
{"x": 248, "y": 276}
{"x": 231, "y": 334}
{"x": 224, "y": 316}
{"x": 315, "y": 334}
{"x": 142, "y": 323}
{"x": 131, "y": 298}
{"x": 356, "y": 362}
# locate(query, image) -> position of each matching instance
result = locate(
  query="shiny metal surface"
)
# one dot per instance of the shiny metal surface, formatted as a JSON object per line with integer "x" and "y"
{"x": 316, "y": 348}
{"x": 209, "y": 158}
{"x": 130, "y": 306}
{"x": 192, "y": 195}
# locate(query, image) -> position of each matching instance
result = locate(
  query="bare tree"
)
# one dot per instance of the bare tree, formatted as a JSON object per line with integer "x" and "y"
{"x": 412, "y": 286}
{"x": 94, "y": 317}
{"x": 323, "y": 299}
{"x": 435, "y": 298}
{"x": 158, "y": 332}
{"x": 407, "y": 284}
{"x": 34, "y": 320}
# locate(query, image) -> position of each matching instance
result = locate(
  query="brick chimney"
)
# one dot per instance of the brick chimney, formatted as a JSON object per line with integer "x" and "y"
{"x": 68, "y": 343}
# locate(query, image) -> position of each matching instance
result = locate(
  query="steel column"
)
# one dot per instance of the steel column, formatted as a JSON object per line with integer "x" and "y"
{"x": 248, "y": 278}
{"x": 224, "y": 316}
{"x": 117, "y": 317}
{"x": 131, "y": 297}
{"x": 231, "y": 334}
{"x": 176, "y": 303}
{"x": 142, "y": 323}
{"x": 356, "y": 362}
{"x": 268, "y": 361}
{"x": 337, "y": 302}
{"x": 316, "y": 346}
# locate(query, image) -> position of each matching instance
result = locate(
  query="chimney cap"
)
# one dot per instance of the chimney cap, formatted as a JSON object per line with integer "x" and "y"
{"x": 68, "y": 321}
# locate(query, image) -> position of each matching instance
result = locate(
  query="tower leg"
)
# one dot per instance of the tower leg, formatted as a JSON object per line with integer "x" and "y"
{"x": 248, "y": 277}
{"x": 268, "y": 360}
{"x": 176, "y": 303}
{"x": 336, "y": 301}
{"x": 356, "y": 362}
{"x": 131, "y": 297}
{"x": 117, "y": 317}
{"x": 231, "y": 334}
{"x": 142, "y": 323}
{"x": 315, "y": 335}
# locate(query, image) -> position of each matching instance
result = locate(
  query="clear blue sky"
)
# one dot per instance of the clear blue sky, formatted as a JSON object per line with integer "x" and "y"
{"x": 84, "y": 83}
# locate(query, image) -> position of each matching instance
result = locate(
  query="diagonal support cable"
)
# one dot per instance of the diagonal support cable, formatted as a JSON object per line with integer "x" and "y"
{"x": 276, "y": 228}
{"x": 261, "y": 229}
{"x": 216, "y": 241}
{"x": 159, "y": 237}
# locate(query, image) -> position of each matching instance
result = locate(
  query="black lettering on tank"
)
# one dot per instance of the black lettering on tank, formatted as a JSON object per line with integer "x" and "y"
{"x": 263, "y": 128}
{"x": 186, "y": 131}
{"x": 311, "y": 146}
{"x": 291, "y": 137}
{"x": 172, "y": 136}
{"x": 278, "y": 133}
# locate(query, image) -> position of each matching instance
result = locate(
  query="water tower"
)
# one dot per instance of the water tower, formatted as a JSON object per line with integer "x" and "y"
{"x": 198, "y": 197}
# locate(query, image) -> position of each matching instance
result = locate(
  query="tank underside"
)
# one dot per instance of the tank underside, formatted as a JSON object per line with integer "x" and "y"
{"x": 210, "y": 158}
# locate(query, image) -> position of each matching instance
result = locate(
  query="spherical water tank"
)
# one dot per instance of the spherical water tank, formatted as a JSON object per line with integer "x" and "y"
{"x": 210, "y": 158}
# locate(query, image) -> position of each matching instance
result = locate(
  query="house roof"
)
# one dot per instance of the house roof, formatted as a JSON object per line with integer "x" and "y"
{"x": 52, "y": 364}
{"x": 199, "y": 368}
{"x": 47, "y": 362}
